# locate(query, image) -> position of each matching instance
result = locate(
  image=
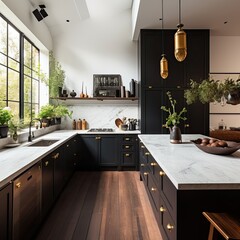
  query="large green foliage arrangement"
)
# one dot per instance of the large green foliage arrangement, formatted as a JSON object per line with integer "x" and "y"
{"x": 56, "y": 76}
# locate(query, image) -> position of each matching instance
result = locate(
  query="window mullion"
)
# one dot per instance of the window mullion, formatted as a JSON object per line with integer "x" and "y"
{"x": 21, "y": 105}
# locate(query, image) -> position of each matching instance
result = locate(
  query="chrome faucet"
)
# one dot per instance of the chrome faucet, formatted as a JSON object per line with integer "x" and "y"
{"x": 30, "y": 133}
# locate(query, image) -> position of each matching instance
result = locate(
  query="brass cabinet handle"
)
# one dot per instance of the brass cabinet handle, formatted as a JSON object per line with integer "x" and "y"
{"x": 164, "y": 126}
{"x": 67, "y": 145}
{"x": 18, "y": 185}
{"x": 74, "y": 140}
{"x": 127, "y": 155}
{"x": 186, "y": 125}
{"x": 162, "y": 173}
{"x": 162, "y": 209}
{"x": 170, "y": 227}
{"x": 142, "y": 146}
{"x": 153, "y": 189}
{"x": 149, "y": 86}
{"x": 127, "y": 147}
{"x": 74, "y": 154}
{"x": 55, "y": 156}
{"x": 153, "y": 164}
{"x": 178, "y": 86}
{"x": 97, "y": 138}
{"x": 142, "y": 165}
{"x": 145, "y": 173}
{"x": 46, "y": 163}
{"x": 147, "y": 153}
{"x": 127, "y": 139}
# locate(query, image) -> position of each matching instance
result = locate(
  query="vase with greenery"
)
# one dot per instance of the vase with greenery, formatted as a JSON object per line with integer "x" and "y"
{"x": 173, "y": 119}
{"x": 61, "y": 111}
{"x": 46, "y": 114}
{"x": 56, "y": 76}
{"x": 5, "y": 116}
{"x": 14, "y": 126}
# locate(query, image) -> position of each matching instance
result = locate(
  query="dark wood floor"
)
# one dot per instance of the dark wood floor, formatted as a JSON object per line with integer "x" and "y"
{"x": 108, "y": 205}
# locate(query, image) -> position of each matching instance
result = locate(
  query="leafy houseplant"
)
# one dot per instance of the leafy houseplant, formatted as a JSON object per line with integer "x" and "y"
{"x": 61, "y": 111}
{"x": 46, "y": 113}
{"x": 56, "y": 76}
{"x": 173, "y": 119}
{"x": 210, "y": 90}
{"x": 5, "y": 117}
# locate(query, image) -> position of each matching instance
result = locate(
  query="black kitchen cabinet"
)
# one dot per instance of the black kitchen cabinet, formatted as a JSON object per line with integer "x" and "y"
{"x": 47, "y": 185}
{"x": 153, "y": 88}
{"x": 6, "y": 212}
{"x": 128, "y": 151}
{"x": 99, "y": 151}
{"x": 27, "y": 203}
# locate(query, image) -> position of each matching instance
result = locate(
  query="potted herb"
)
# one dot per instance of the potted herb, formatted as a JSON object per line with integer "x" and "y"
{"x": 46, "y": 114}
{"x": 5, "y": 117}
{"x": 173, "y": 119}
{"x": 61, "y": 111}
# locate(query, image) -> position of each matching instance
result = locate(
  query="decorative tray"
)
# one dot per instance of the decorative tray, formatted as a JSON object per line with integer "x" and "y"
{"x": 231, "y": 148}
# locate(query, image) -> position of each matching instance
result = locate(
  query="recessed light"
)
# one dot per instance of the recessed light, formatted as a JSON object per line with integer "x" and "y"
{"x": 67, "y": 20}
{"x": 225, "y": 22}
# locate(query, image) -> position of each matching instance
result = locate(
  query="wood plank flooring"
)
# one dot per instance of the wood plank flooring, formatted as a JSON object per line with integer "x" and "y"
{"x": 107, "y": 205}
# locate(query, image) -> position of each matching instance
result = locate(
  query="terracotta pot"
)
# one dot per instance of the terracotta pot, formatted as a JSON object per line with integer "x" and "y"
{"x": 3, "y": 131}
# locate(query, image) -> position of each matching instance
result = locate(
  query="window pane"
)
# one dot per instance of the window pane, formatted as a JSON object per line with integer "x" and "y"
{"x": 2, "y": 104}
{"x": 35, "y": 89}
{"x": 35, "y": 59}
{"x": 13, "y": 85}
{"x": 27, "y": 112}
{"x": 3, "y": 59}
{"x": 35, "y": 110}
{"x": 3, "y": 82}
{"x": 35, "y": 75}
{"x": 15, "y": 109}
{"x": 27, "y": 53}
{"x": 3, "y": 36}
{"x": 27, "y": 89}
{"x": 13, "y": 64}
{"x": 13, "y": 43}
{"x": 27, "y": 71}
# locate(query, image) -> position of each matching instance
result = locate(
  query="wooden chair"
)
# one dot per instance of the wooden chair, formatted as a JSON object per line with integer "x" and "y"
{"x": 227, "y": 225}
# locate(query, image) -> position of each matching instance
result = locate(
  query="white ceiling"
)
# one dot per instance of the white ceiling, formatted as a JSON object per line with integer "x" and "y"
{"x": 196, "y": 14}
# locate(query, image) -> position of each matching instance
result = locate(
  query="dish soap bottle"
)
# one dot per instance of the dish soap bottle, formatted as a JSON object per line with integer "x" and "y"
{"x": 221, "y": 125}
{"x": 84, "y": 124}
{"x": 79, "y": 124}
{"x": 74, "y": 124}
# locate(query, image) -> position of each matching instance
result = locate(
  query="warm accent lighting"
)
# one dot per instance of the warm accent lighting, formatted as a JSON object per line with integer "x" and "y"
{"x": 164, "y": 67}
{"x": 163, "y": 62}
{"x": 180, "y": 40}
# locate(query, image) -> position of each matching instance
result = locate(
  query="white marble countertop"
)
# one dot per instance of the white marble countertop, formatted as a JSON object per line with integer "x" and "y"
{"x": 190, "y": 168}
{"x": 14, "y": 161}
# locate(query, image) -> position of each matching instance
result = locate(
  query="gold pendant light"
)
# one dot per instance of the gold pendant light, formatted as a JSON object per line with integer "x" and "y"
{"x": 180, "y": 40}
{"x": 163, "y": 62}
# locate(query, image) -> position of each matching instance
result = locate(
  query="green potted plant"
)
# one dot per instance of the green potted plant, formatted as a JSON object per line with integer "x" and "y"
{"x": 46, "y": 114}
{"x": 61, "y": 111}
{"x": 173, "y": 119}
{"x": 56, "y": 76}
{"x": 14, "y": 126}
{"x": 5, "y": 116}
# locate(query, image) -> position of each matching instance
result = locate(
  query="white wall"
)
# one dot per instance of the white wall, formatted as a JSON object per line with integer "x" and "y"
{"x": 224, "y": 58}
{"x": 98, "y": 46}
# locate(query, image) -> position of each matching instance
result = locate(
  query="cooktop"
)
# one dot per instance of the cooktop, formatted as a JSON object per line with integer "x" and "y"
{"x": 100, "y": 130}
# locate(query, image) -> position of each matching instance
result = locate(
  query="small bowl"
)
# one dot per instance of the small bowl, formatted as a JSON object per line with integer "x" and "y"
{"x": 232, "y": 147}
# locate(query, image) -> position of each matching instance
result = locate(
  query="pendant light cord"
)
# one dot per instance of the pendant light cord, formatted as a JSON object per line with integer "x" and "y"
{"x": 162, "y": 30}
{"x": 179, "y": 9}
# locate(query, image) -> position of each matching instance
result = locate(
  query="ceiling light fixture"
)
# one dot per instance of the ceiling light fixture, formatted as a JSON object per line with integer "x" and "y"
{"x": 164, "y": 61}
{"x": 40, "y": 15}
{"x": 180, "y": 40}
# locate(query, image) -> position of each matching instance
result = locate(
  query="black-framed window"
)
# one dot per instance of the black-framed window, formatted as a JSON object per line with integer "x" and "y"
{"x": 19, "y": 79}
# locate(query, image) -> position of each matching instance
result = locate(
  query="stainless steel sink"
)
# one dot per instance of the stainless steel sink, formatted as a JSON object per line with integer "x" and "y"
{"x": 43, "y": 143}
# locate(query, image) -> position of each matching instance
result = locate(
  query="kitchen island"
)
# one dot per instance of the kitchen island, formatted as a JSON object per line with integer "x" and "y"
{"x": 182, "y": 182}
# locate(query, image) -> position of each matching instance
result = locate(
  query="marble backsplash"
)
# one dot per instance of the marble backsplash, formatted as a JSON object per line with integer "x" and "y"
{"x": 100, "y": 116}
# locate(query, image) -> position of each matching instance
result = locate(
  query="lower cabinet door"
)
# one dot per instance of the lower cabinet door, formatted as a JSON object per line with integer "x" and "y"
{"x": 6, "y": 212}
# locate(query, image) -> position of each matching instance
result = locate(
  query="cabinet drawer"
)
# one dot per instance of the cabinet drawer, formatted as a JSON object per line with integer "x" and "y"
{"x": 128, "y": 139}
{"x": 167, "y": 224}
{"x": 154, "y": 169}
{"x": 128, "y": 158}
{"x": 128, "y": 147}
{"x": 154, "y": 191}
{"x": 168, "y": 192}
{"x": 144, "y": 173}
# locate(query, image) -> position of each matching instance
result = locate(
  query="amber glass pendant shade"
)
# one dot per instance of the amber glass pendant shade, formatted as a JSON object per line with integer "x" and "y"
{"x": 164, "y": 67}
{"x": 180, "y": 44}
